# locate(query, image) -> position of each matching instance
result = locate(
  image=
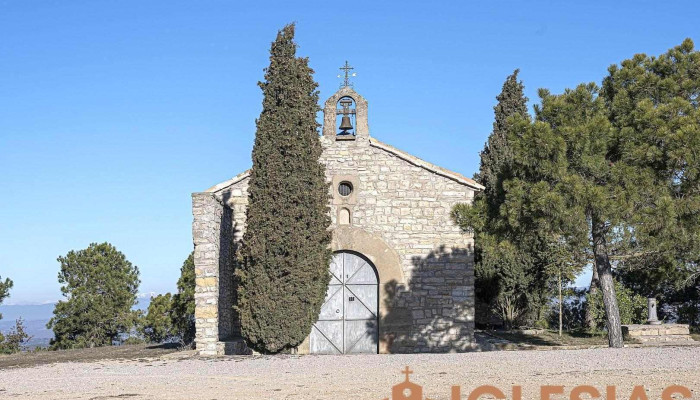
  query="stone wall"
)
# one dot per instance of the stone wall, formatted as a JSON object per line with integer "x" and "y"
{"x": 408, "y": 206}
{"x": 214, "y": 294}
{"x": 395, "y": 198}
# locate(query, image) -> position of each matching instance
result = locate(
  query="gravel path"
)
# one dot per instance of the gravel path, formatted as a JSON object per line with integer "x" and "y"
{"x": 356, "y": 377}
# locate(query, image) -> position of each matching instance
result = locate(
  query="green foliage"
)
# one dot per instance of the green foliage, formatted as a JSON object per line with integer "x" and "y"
{"x": 569, "y": 182}
{"x": 689, "y": 312}
{"x": 13, "y": 341}
{"x": 653, "y": 108}
{"x": 100, "y": 287}
{"x": 503, "y": 278}
{"x": 609, "y": 174}
{"x": 497, "y": 157}
{"x": 5, "y": 290}
{"x": 684, "y": 303}
{"x": 573, "y": 310}
{"x": 171, "y": 317}
{"x": 516, "y": 253}
{"x": 157, "y": 326}
{"x": 183, "y": 303}
{"x": 283, "y": 273}
{"x": 589, "y": 170}
{"x": 633, "y": 307}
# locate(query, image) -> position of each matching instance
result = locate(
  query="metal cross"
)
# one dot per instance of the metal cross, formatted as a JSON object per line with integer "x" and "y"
{"x": 407, "y": 372}
{"x": 347, "y": 68}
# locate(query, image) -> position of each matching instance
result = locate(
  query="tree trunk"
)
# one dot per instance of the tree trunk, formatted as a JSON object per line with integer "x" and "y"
{"x": 561, "y": 319}
{"x": 592, "y": 290}
{"x": 607, "y": 285}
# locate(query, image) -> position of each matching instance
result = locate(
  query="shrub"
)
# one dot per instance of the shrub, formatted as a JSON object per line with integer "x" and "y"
{"x": 14, "y": 340}
{"x": 633, "y": 307}
{"x": 182, "y": 314}
{"x": 156, "y": 326}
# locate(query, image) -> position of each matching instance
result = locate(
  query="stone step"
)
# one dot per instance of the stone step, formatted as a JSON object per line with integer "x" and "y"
{"x": 655, "y": 330}
{"x": 661, "y": 334}
{"x": 664, "y": 338}
{"x": 670, "y": 343}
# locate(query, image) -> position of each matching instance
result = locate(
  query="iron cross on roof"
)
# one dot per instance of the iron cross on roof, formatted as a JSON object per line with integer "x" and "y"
{"x": 347, "y": 68}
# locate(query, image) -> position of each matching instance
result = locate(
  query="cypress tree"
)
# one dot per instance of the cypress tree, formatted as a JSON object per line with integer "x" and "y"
{"x": 283, "y": 273}
{"x": 496, "y": 158}
{"x": 509, "y": 273}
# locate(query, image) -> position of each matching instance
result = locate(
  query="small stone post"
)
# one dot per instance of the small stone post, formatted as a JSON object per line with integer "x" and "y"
{"x": 653, "y": 319}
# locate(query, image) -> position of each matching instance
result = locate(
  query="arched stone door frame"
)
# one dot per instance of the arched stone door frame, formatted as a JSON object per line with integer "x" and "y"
{"x": 387, "y": 264}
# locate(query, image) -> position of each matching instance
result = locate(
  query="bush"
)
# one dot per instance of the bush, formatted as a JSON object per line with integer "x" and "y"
{"x": 689, "y": 313}
{"x": 15, "y": 339}
{"x": 633, "y": 307}
{"x": 157, "y": 326}
{"x": 170, "y": 318}
{"x": 573, "y": 310}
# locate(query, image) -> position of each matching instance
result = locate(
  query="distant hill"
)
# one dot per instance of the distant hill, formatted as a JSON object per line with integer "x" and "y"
{"x": 27, "y": 312}
{"x": 36, "y": 316}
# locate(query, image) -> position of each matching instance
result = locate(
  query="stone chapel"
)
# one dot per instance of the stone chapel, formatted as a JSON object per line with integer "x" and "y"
{"x": 402, "y": 272}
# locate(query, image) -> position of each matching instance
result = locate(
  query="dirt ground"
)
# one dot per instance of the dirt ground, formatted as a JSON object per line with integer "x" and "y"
{"x": 129, "y": 352}
{"x": 181, "y": 375}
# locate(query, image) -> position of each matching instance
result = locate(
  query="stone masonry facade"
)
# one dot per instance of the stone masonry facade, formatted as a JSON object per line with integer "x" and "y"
{"x": 397, "y": 215}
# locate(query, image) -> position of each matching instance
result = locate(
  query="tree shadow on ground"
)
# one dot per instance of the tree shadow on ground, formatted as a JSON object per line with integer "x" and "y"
{"x": 165, "y": 346}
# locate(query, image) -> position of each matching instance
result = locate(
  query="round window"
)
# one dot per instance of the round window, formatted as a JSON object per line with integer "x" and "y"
{"x": 345, "y": 188}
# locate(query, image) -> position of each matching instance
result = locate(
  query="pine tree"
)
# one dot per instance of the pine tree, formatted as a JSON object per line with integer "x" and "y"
{"x": 283, "y": 274}
{"x": 100, "y": 287}
{"x": 4, "y": 293}
{"x": 654, "y": 110}
{"x": 611, "y": 172}
{"x": 587, "y": 179}
{"x": 5, "y": 290}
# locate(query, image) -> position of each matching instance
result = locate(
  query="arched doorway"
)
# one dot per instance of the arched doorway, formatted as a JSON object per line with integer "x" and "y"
{"x": 348, "y": 321}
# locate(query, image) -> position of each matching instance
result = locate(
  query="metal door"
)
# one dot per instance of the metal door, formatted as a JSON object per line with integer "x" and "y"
{"x": 347, "y": 323}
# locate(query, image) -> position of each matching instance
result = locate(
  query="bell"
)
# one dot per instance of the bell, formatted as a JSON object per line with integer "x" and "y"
{"x": 345, "y": 123}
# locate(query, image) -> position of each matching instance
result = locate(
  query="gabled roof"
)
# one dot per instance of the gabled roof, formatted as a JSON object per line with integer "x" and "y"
{"x": 232, "y": 181}
{"x": 424, "y": 164}
{"x": 459, "y": 178}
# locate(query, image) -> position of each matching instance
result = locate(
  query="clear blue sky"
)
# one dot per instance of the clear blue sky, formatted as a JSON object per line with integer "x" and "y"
{"x": 113, "y": 112}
